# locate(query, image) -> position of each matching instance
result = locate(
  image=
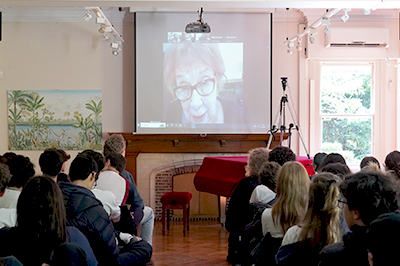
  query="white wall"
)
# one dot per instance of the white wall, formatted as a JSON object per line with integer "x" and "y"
{"x": 45, "y": 52}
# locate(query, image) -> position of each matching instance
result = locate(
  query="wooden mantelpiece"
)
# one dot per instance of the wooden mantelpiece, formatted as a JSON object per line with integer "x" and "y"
{"x": 190, "y": 143}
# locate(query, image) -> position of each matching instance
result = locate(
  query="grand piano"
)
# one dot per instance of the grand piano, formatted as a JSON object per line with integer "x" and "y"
{"x": 221, "y": 175}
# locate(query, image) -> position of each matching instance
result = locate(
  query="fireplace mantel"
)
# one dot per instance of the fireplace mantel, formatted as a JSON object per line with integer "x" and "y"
{"x": 191, "y": 143}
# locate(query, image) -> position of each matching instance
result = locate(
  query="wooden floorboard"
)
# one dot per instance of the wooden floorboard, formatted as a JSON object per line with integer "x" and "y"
{"x": 206, "y": 243}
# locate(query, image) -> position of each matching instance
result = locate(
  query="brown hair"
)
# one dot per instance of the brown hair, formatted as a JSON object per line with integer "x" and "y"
{"x": 257, "y": 157}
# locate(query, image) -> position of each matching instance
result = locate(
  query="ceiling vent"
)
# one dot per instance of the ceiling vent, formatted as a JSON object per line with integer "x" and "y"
{"x": 357, "y": 37}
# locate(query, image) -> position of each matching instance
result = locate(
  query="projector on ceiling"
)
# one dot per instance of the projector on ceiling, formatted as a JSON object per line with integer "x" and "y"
{"x": 197, "y": 27}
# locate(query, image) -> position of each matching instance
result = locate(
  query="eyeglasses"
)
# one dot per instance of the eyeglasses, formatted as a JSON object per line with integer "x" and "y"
{"x": 341, "y": 203}
{"x": 203, "y": 88}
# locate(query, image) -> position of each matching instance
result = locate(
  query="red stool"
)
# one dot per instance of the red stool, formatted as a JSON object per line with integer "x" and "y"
{"x": 176, "y": 200}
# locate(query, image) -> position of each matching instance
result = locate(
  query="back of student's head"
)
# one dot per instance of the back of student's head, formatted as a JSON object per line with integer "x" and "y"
{"x": 21, "y": 169}
{"x": 256, "y": 158}
{"x": 339, "y": 169}
{"x": 371, "y": 193}
{"x": 114, "y": 144}
{"x": 317, "y": 161}
{"x": 267, "y": 174}
{"x": 281, "y": 155}
{"x": 9, "y": 155}
{"x": 292, "y": 191}
{"x": 392, "y": 163}
{"x": 51, "y": 162}
{"x": 367, "y": 160}
{"x": 81, "y": 167}
{"x": 97, "y": 157}
{"x": 41, "y": 211}
{"x": 5, "y": 177}
{"x": 322, "y": 221}
{"x": 117, "y": 161}
{"x": 383, "y": 237}
{"x": 333, "y": 158}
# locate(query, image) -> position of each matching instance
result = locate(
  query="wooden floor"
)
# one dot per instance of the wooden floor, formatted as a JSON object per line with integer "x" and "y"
{"x": 206, "y": 243}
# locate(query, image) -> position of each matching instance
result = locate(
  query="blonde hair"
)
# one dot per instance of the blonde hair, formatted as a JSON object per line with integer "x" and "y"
{"x": 292, "y": 190}
{"x": 321, "y": 223}
{"x": 257, "y": 157}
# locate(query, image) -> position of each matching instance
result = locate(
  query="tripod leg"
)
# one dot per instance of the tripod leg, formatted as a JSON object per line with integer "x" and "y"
{"x": 298, "y": 129}
{"x": 277, "y": 118}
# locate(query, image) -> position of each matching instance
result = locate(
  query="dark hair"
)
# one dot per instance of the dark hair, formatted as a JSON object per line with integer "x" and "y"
{"x": 21, "y": 170}
{"x": 371, "y": 193}
{"x": 97, "y": 157}
{"x": 9, "y": 155}
{"x": 41, "y": 213}
{"x": 5, "y": 176}
{"x": 333, "y": 158}
{"x": 81, "y": 167}
{"x": 338, "y": 169}
{"x": 392, "y": 160}
{"x": 367, "y": 160}
{"x": 281, "y": 155}
{"x": 317, "y": 160}
{"x": 117, "y": 161}
{"x": 51, "y": 161}
{"x": 267, "y": 174}
{"x": 382, "y": 238}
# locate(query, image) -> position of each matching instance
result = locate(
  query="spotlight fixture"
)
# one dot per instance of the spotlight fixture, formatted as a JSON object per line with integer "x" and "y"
{"x": 367, "y": 11}
{"x": 313, "y": 31}
{"x": 346, "y": 16}
{"x": 116, "y": 47}
{"x": 298, "y": 46}
{"x": 105, "y": 37}
{"x": 87, "y": 16}
{"x": 325, "y": 21}
{"x": 290, "y": 45}
{"x": 198, "y": 26}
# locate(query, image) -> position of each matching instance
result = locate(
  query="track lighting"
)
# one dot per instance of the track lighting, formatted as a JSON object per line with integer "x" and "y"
{"x": 298, "y": 46}
{"x": 116, "y": 47}
{"x": 313, "y": 31}
{"x": 290, "y": 45}
{"x": 326, "y": 21}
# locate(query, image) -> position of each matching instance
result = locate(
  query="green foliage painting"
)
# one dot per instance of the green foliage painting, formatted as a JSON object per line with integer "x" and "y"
{"x": 69, "y": 120}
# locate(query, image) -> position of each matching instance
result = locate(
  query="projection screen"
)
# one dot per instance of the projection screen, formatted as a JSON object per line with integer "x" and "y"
{"x": 218, "y": 82}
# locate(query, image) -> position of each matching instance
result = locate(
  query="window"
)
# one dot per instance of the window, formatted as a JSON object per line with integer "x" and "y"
{"x": 347, "y": 109}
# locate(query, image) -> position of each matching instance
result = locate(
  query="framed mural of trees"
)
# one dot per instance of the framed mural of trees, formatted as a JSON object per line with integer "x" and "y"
{"x": 69, "y": 120}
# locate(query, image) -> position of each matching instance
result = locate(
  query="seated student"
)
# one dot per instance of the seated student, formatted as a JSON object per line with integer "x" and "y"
{"x": 239, "y": 213}
{"x": 320, "y": 226}
{"x": 392, "y": 163}
{"x": 338, "y": 169}
{"x": 281, "y": 155}
{"x": 289, "y": 209}
{"x": 41, "y": 231}
{"x": 144, "y": 215}
{"x": 51, "y": 163}
{"x": 265, "y": 192}
{"x": 382, "y": 239}
{"x": 367, "y": 160}
{"x": 21, "y": 170}
{"x": 107, "y": 198}
{"x": 8, "y": 216}
{"x": 333, "y": 158}
{"x": 365, "y": 195}
{"x": 86, "y": 213}
{"x": 317, "y": 161}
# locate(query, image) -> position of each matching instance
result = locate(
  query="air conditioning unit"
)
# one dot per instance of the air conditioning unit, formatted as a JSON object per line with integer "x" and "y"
{"x": 357, "y": 37}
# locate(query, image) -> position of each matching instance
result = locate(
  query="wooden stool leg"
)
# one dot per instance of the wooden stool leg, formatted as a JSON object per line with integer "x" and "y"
{"x": 185, "y": 218}
{"x": 163, "y": 220}
{"x": 188, "y": 216}
{"x": 168, "y": 217}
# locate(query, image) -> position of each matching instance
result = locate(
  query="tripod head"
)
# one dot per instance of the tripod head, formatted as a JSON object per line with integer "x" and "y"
{"x": 284, "y": 83}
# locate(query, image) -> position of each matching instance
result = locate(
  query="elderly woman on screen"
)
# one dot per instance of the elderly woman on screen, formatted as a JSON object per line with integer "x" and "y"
{"x": 192, "y": 74}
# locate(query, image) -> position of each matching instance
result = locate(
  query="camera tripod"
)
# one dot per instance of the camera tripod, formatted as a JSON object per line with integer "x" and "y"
{"x": 281, "y": 117}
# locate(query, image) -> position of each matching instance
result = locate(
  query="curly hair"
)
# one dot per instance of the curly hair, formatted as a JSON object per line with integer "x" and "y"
{"x": 114, "y": 143}
{"x": 257, "y": 157}
{"x": 21, "y": 169}
{"x": 281, "y": 155}
{"x": 5, "y": 176}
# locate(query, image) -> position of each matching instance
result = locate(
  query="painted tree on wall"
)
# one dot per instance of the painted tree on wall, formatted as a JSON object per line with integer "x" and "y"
{"x": 69, "y": 120}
